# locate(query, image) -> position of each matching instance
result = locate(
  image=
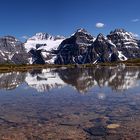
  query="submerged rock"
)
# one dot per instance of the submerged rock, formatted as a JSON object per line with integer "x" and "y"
{"x": 113, "y": 126}
{"x": 96, "y": 131}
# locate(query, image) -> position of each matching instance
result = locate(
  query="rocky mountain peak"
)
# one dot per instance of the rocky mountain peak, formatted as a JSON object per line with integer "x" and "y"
{"x": 79, "y": 48}
{"x": 121, "y": 37}
{"x": 122, "y": 34}
{"x": 10, "y": 38}
{"x": 83, "y": 37}
{"x": 9, "y": 43}
{"x": 41, "y": 36}
{"x": 45, "y": 36}
{"x": 125, "y": 42}
{"x": 82, "y": 30}
{"x": 12, "y": 51}
{"x": 120, "y": 30}
{"x": 101, "y": 37}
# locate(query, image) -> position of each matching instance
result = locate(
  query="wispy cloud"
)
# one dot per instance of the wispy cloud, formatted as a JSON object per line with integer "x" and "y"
{"x": 99, "y": 25}
{"x": 135, "y": 20}
{"x": 24, "y": 37}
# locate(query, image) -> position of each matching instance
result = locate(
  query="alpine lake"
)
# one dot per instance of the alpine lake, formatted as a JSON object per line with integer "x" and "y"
{"x": 100, "y": 103}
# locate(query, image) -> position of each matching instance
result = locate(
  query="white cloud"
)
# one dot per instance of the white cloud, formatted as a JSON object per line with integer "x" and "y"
{"x": 135, "y": 20}
{"x": 134, "y": 35}
{"x": 99, "y": 25}
{"x": 25, "y": 37}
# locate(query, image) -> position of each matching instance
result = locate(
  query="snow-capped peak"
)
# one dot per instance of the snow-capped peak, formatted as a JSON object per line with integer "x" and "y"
{"x": 41, "y": 36}
{"x": 82, "y": 30}
{"x": 44, "y": 40}
{"x": 122, "y": 38}
{"x": 122, "y": 34}
{"x": 46, "y": 43}
{"x": 101, "y": 37}
{"x": 45, "y": 36}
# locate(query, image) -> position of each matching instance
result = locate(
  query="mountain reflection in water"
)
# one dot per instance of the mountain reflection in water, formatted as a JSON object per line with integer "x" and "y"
{"x": 81, "y": 79}
{"x": 99, "y": 114}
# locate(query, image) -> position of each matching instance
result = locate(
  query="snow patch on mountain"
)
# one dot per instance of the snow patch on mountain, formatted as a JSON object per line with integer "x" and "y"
{"x": 45, "y": 42}
{"x": 121, "y": 56}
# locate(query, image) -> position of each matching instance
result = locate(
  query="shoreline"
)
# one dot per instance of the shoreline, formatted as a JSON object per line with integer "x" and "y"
{"x": 13, "y": 67}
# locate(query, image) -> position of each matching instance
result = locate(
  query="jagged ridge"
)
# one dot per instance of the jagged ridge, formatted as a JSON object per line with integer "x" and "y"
{"x": 80, "y": 48}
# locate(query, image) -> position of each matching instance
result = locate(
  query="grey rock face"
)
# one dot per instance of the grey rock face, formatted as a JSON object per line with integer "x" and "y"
{"x": 102, "y": 50}
{"x": 37, "y": 56}
{"x": 73, "y": 50}
{"x": 79, "y": 48}
{"x": 82, "y": 48}
{"x": 125, "y": 43}
{"x": 12, "y": 51}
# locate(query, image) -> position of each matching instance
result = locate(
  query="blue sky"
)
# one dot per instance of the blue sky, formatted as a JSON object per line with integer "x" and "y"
{"x": 26, "y": 17}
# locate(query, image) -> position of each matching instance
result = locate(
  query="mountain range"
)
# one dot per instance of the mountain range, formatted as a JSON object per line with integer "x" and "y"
{"x": 80, "y": 48}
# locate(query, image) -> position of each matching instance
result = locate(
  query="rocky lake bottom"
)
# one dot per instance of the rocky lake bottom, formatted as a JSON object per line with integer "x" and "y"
{"x": 100, "y": 103}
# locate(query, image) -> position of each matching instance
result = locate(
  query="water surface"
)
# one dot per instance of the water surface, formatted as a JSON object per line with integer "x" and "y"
{"x": 100, "y": 103}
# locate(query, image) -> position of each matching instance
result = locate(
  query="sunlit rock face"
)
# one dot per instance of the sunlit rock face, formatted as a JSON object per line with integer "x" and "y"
{"x": 102, "y": 50}
{"x": 127, "y": 45}
{"x": 118, "y": 79}
{"x": 12, "y": 51}
{"x": 73, "y": 49}
{"x": 82, "y": 48}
